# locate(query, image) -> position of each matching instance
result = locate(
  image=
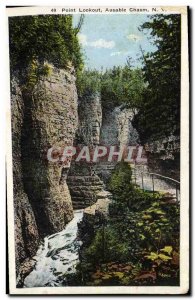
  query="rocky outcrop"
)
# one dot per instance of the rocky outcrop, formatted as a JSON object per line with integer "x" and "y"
{"x": 50, "y": 121}
{"x": 25, "y": 268}
{"x": 101, "y": 206}
{"x": 84, "y": 190}
{"x": 98, "y": 126}
{"x": 26, "y": 231}
{"x": 90, "y": 120}
{"x": 43, "y": 116}
{"x": 117, "y": 127}
{"x": 83, "y": 182}
{"x": 166, "y": 148}
{"x": 164, "y": 156}
{"x": 116, "y": 130}
{"x": 93, "y": 217}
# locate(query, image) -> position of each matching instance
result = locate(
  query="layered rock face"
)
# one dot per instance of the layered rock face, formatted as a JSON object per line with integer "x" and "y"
{"x": 83, "y": 182}
{"x": 42, "y": 117}
{"x": 50, "y": 121}
{"x": 90, "y": 120}
{"x": 84, "y": 190}
{"x": 26, "y": 231}
{"x": 116, "y": 130}
{"x": 164, "y": 156}
{"x": 110, "y": 127}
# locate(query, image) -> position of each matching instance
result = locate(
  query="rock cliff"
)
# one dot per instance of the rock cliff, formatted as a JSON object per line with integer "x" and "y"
{"x": 97, "y": 126}
{"x": 116, "y": 130}
{"x": 26, "y": 231}
{"x": 90, "y": 119}
{"x": 43, "y": 116}
{"x": 164, "y": 156}
{"x": 48, "y": 114}
{"x": 117, "y": 127}
{"x": 83, "y": 182}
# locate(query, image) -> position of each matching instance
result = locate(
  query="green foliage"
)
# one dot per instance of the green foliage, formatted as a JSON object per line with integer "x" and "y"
{"x": 121, "y": 187}
{"x": 159, "y": 115}
{"x": 125, "y": 195}
{"x": 35, "y": 70}
{"x": 49, "y": 38}
{"x": 46, "y": 70}
{"x": 132, "y": 239}
{"x": 121, "y": 178}
{"x": 119, "y": 85}
{"x": 110, "y": 248}
{"x": 140, "y": 239}
{"x": 122, "y": 85}
{"x": 88, "y": 82}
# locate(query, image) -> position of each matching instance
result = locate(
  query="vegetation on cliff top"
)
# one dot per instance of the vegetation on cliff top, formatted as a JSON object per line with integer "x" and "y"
{"x": 43, "y": 38}
{"x": 117, "y": 86}
{"x": 153, "y": 89}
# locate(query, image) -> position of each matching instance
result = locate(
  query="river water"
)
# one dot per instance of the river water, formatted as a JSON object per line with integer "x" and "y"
{"x": 57, "y": 257}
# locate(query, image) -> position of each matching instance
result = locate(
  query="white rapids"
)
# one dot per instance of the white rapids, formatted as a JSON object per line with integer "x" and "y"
{"x": 57, "y": 257}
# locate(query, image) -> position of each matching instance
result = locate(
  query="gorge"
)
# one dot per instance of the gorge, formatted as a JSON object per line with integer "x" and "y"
{"x": 45, "y": 193}
{"x": 55, "y": 104}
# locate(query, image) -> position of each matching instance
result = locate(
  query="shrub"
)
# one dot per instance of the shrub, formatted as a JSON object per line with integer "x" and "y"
{"x": 126, "y": 195}
{"x": 140, "y": 239}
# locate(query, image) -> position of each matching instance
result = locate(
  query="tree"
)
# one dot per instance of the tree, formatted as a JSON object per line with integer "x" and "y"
{"x": 88, "y": 82}
{"x": 159, "y": 115}
{"x": 122, "y": 85}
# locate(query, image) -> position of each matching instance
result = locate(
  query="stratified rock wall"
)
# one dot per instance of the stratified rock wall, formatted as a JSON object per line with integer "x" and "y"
{"x": 90, "y": 120}
{"x": 83, "y": 183}
{"x": 26, "y": 231}
{"x": 43, "y": 116}
{"x": 84, "y": 190}
{"x": 116, "y": 130}
{"x": 112, "y": 127}
{"x": 50, "y": 121}
{"x": 164, "y": 156}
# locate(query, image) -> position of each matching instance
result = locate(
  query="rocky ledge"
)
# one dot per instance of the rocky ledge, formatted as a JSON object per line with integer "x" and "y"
{"x": 93, "y": 217}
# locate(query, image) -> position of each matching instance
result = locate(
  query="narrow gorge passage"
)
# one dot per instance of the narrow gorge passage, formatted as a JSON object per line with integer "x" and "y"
{"x": 57, "y": 257}
{"x": 94, "y": 151}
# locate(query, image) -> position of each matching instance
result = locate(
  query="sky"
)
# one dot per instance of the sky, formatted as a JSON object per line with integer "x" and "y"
{"x": 107, "y": 40}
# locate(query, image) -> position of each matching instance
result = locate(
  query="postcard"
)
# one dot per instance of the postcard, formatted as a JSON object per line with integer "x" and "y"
{"x": 98, "y": 150}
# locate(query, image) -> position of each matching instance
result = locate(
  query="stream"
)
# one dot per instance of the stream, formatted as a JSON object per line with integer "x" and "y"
{"x": 57, "y": 257}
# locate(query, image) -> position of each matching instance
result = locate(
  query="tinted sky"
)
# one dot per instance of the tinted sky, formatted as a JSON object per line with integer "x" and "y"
{"x": 108, "y": 40}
